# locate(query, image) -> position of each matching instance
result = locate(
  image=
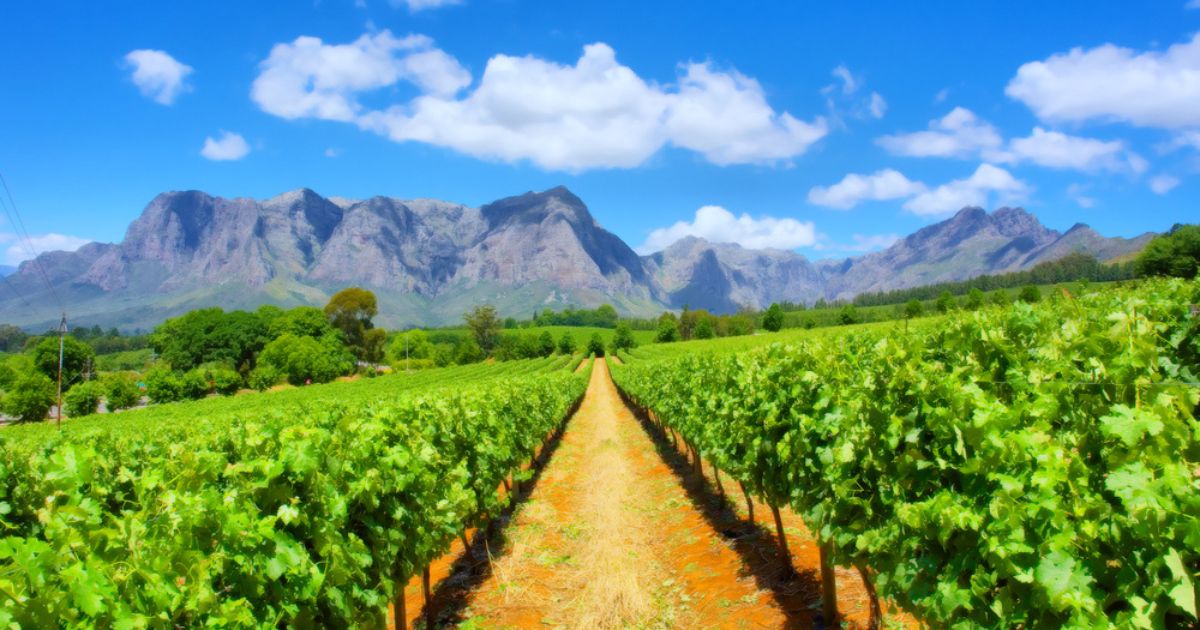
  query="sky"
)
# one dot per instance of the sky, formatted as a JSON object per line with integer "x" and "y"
{"x": 827, "y": 128}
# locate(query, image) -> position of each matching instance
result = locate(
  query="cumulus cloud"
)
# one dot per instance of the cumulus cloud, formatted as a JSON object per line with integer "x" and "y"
{"x": 1112, "y": 83}
{"x": 718, "y": 225}
{"x": 959, "y": 134}
{"x": 596, "y": 113}
{"x": 17, "y": 251}
{"x": 842, "y": 99}
{"x": 230, "y": 146}
{"x": 1163, "y": 184}
{"x": 158, "y": 75}
{"x": 962, "y": 134}
{"x": 976, "y": 190}
{"x": 854, "y": 188}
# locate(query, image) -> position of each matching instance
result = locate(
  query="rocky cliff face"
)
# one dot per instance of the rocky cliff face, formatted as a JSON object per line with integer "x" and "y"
{"x": 430, "y": 260}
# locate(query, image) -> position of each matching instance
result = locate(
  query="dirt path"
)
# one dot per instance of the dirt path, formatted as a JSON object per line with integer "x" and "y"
{"x": 619, "y": 531}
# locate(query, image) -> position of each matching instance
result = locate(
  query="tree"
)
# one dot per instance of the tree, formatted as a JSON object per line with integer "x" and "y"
{"x": 1030, "y": 294}
{"x": 12, "y": 338}
{"x": 350, "y": 311}
{"x": 1001, "y": 298}
{"x": 913, "y": 309}
{"x": 566, "y": 343}
{"x": 773, "y": 318}
{"x": 408, "y": 345}
{"x": 485, "y": 327}
{"x": 545, "y": 343}
{"x": 945, "y": 301}
{"x": 848, "y": 315}
{"x": 607, "y": 315}
{"x": 623, "y": 338}
{"x": 704, "y": 329}
{"x": 1176, "y": 253}
{"x": 974, "y": 299}
{"x": 211, "y": 335}
{"x": 121, "y": 392}
{"x": 302, "y": 321}
{"x": 163, "y": 385}
{"x": 83, "y": 399}
{"x": 468, "y": 351}
{"x": 29, "y": 398}
{"x": 668, "y": 329}
{"x": 595, "y": 345}
{"x": 305, "y": 360}
{"x": 374, "y": 345}
{"x": 78, "y": 357}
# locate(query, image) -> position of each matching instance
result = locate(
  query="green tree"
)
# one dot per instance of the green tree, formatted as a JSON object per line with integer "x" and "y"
{"x": 468, "y": 351}
{"x": 596, "y": 345}
{"x": 1030, "y": 294}
{"x": 304, "y": 360}
{"x": 29, "y": 398}
{"x": 374, "y": 346}
{"x": 78, "y": 357}
{"x": 974, "y": 299}
{"x": 83, "y": 399}
{"x": 350, "y": 311}
{"x": 704, "y": 329}
{"x": 945, "y": 301}
{"x": 163, "y": 385}
{"x": 485, "y": 327}
{"x": 264, "y": 377}
{"x": 623, "y": 338}
{"x": 1001, "y": 298}
{"x": 12, "y": 338}
{"x": 607, "y": 316}
{"x": 668, "y": 328}
{"x": 773, "y": 318}
{"x": 1176, "y": 253}
{"x": 913, "y": 309}
{"x": 566, "y": 343}
{"x": 409, "y": 344}
{"x": 545, "y": 342}
{"x": 302, "y": 321}
{"x": 121, "y": 392}
{"x": 848, "y": 315}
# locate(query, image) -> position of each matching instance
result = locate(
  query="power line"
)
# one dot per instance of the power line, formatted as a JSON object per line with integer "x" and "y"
{"x": 14, "y": 216}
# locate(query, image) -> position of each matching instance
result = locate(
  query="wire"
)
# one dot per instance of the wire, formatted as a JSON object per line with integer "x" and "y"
{"x": 23, "y": 234}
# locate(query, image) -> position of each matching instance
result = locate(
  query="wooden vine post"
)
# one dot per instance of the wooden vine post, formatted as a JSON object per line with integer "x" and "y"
{"x": 399, "y": 613}
{"x": 829, "y": 608}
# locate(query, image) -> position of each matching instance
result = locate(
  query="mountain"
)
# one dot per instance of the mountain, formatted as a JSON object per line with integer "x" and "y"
{"x": 428, "y": 261}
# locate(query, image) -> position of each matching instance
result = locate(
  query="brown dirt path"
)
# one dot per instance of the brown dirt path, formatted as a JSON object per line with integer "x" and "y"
{"x": 619, "y": 531}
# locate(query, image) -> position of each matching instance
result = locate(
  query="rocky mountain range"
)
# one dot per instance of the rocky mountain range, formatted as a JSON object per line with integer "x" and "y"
{"x": 428, "y": 261}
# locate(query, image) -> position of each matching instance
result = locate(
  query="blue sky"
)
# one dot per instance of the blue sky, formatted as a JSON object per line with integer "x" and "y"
{"x": 829, "y": 128}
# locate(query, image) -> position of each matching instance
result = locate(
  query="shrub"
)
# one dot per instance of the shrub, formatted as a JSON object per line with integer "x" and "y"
{"x": 1030, "y": 294}
{"x": 29, "y": 398}
{"x": 566, "y": 344}
{"x": 163, "y": 385}
{"x": 83, "y": 399}
{"x": 194, "y": 384}
{"x": 121, "y": 392}
{"x": 623, "y": 338}
{"x": 264, "y": 377}
{"x": 596, "y": 345}
{"x": 773, "y": 318}
{"x": 225, "y": 381}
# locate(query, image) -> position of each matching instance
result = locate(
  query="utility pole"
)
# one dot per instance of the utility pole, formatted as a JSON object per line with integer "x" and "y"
{"x": 62, "y": 333}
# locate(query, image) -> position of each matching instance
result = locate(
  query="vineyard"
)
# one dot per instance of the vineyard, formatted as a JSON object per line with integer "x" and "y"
{"x": 300, "y": 508}
{"x": 1020, "y": 466}
{"x": 1036, "y": 466}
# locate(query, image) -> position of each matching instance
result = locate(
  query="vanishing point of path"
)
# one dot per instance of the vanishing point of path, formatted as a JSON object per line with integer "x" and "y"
{"x": 619, "y": 532}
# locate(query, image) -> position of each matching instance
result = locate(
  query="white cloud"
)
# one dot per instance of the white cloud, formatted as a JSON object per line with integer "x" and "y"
{"x": 1185, "y": 139}
{"x": 1163, "y": 184}
{"x": 718, "y": 225}
{"x": 421, "y": 5}
{"x": 1192, "y": 4}
{"x": 877, "y": 106}
{"x": 962, "y": 134}
{"x": 17, "y": 251}
{"x": 1111, "y": 83}
{"x": 332, "y": 152}
{"x": 958, "y": 134}
{"x": 854, "y": 188}
{"x": 1054, "y": 149}
{"x": 230, "y": 146}
{"x": 972, "y": 191}
{"x": 158, "y": 75}
{"x": 849, "y": 83}
{"x": 1077, "y": 193}
{"x": 596, "y": 113}
{"x": 942, "y": 95}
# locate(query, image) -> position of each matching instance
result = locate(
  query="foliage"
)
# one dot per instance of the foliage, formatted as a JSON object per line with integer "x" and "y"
{"x": 1030, "y": 294}
{"x": 566, "y": 344}
{"x": 83, "y": 399}
{"x": 595, "y": 346}
{"x": 303, "y": 360}
{"x": 29, "y": 398}
{"x": 913, "y": 309}
{"x": 302, "y": 321}
{"x": 164, "y": 385}
{"x": 409, "y": 344}
{"x": 704, "y": 329}
{"x": 121, "y": 392}
{"x": 374, "y": 347}
{"x": 974, "y": 300}
{"x": 78, "y": 357}
{"x": 1032, "y": 466}
{"x": 545, "y": 342}
{"x": 668, "y": 329}
{"x": 350, "y": 311}
{"x": 848, "y": 315}
{"x": 1176, "y": 253}
{"x": 485, "y": 327}
{"x": 773, "y": 318}
{"x": 210, "y": 335}
{"x": 603, "y": 317}
{"x": 945, "y": 302}
{"x": 12, "y": 338}
{"x": 263, "y": 511}
{"x": 264, "y": 377}
{"x": 623, "y": 338}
